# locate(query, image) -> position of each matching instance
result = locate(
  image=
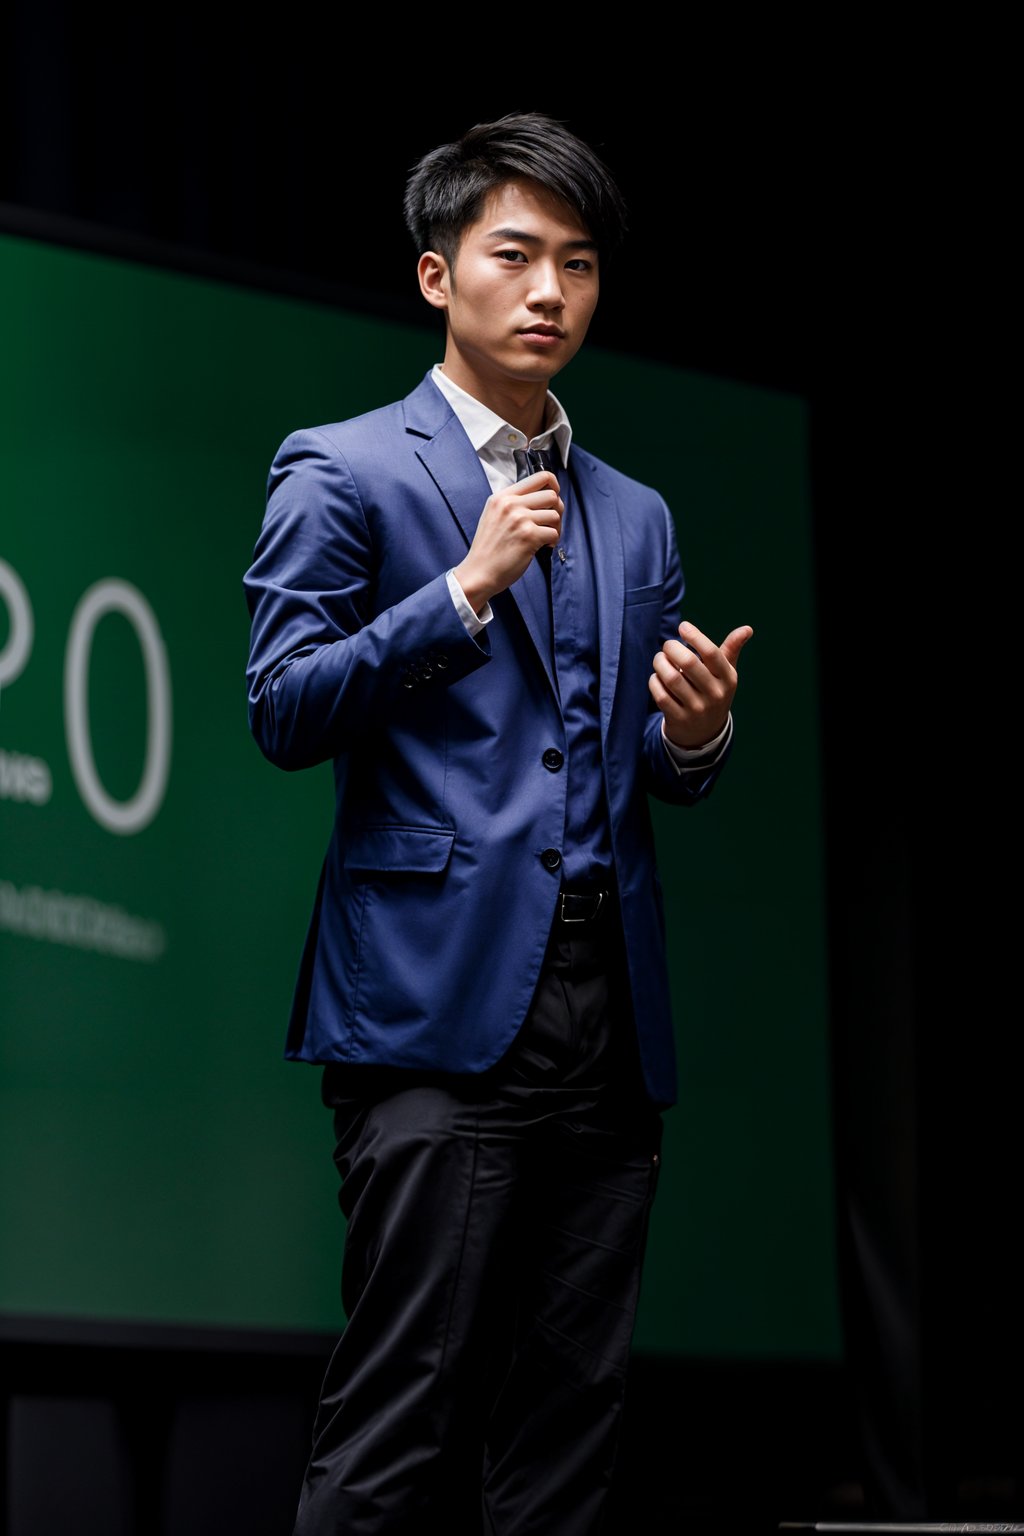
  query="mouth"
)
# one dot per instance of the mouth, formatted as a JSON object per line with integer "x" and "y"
{"x": 545, "y": 334}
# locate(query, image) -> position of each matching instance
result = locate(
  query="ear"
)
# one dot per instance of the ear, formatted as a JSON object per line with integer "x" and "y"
{"x": 435, "y": 282}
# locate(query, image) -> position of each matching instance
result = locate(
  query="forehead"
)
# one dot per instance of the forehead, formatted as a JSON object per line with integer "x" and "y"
{"x": 526, "y": 206}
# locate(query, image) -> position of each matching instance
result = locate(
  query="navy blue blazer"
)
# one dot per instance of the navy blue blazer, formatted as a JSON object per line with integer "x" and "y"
{"x": 435, "y": 899}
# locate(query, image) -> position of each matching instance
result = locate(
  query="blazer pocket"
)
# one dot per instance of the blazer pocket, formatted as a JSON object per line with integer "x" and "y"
{"x": 636, "y": 595}
{"x": 399, "y": 850}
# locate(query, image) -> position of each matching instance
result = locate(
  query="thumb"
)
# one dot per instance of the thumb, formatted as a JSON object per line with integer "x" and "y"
{"x": 734, "y": 642}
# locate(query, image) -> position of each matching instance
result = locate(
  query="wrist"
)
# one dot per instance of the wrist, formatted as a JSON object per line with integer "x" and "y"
{"x": 477, "y": 593}
{"x": 703, "y": 749}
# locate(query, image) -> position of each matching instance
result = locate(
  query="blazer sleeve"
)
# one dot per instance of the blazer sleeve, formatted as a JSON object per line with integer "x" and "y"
{"x": 325, "y": 664}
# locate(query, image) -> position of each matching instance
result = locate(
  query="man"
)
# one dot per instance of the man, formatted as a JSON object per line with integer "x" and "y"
{"x": 487, "y": 645}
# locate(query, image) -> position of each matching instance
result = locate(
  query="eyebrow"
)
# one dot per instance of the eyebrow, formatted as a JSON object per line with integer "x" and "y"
{"x": 506, "y": 233}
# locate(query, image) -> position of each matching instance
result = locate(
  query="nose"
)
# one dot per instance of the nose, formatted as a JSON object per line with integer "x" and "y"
{"x": 546, "y": 291}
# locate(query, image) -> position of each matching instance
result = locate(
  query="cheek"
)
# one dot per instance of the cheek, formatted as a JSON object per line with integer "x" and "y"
{"x": 482, "y": 309}
{"x": 582, "y": 308}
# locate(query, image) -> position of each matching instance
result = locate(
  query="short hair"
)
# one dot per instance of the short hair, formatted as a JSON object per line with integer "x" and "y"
{"x": 447, "y": 188}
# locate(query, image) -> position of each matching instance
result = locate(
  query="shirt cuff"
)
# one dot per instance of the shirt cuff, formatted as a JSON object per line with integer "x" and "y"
{"x": 473, "y": 621}
{"x": 703, "y": 757}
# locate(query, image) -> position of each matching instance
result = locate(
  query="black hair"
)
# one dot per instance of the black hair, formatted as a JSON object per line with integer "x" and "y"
{"x": 447, "y": 188}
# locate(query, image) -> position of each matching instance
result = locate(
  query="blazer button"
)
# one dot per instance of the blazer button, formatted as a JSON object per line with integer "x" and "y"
{"x": 553, "y": 759}
{"x": 440, "y": 661}
{"x": 551, "y": 858}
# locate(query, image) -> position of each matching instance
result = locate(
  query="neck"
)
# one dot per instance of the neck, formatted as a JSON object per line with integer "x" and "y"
{"x": 521, "y": 404}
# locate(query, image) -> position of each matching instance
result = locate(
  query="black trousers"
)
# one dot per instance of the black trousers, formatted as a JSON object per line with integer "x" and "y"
{"x": 496, "y": 1228}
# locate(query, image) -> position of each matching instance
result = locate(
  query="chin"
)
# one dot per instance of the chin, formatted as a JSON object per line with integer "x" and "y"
{"x": 536, "y": 370}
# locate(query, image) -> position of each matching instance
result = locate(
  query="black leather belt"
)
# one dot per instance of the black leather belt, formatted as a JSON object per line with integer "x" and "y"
{"x": 578, "y": 908}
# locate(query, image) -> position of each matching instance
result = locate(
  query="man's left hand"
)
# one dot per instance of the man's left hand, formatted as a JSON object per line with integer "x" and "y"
{"x": 694, "y": 681}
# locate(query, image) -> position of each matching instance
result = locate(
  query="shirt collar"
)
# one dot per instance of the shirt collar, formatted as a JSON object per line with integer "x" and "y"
{"x": 486, "y": 430}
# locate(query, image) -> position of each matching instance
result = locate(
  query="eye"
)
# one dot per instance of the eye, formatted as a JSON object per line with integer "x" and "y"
{"x": 511, "y": 255}
{"x": 579, "y": 264}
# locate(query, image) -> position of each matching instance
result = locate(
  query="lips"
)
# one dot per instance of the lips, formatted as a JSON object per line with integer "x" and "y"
{"x": 544, "y": 332}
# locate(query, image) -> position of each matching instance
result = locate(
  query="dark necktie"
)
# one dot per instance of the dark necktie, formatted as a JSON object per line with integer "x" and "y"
{"x": 529, "y": 461}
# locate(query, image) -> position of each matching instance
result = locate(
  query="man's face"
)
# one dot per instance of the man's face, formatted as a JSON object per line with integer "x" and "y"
{"x": 525, "y": 287}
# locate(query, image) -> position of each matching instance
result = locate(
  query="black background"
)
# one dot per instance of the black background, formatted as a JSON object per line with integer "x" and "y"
{"x": 807, "y": 214}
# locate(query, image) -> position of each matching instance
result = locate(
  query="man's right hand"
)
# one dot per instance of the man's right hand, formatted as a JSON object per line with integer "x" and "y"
{"x": 514, "y": 525}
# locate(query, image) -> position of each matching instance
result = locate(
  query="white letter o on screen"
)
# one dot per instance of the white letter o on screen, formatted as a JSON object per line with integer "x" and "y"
{"x": 19, "y": 641}
{"x": 121, "y": 816}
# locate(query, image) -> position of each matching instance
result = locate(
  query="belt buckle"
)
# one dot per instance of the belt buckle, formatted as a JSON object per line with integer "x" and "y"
{"x": 589, "y": 917}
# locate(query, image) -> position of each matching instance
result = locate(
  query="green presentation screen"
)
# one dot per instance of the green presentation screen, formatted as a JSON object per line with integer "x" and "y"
{"x": 160, "y": 1162}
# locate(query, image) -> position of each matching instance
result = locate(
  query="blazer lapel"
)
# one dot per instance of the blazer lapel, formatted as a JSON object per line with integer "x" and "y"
{"x": 605, "y": 531}
{"x": 455, "y": 469}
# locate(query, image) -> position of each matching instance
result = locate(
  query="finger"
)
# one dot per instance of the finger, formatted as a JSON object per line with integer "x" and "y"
{"x": 711, "y": 655}
{"x": 542, "y": 480}
{"x": 544, "y": 497}
{"x": 664, "y": 698}
{"x": 734, "y": 642}
{"x": 672, "y": 678}
{"x": 706, "y": 648}
{"x": 696, "y": 639}
{"x": 685, "y": 657}
{"x": 546, "y": 517}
